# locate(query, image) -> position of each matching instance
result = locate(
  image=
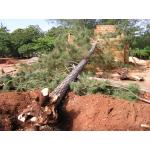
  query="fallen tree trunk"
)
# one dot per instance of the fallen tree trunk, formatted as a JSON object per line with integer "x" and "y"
{"x": 123, "y": 86}
{"x": 43, "y": 112}
{"x": 60, "y": 91}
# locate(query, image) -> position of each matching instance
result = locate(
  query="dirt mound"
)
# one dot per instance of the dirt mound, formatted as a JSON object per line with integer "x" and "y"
{"x": 101, "y": 112}
{"x": 11, "y": 103}
{"x": 91, "y": 112}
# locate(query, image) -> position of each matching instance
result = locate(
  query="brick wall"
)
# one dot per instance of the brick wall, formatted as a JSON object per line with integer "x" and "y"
{"x": 105, "y": 29}
{"x": 113, "y": 42}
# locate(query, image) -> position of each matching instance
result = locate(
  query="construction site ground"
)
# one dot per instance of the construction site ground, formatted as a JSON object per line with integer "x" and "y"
{"x": 82, "y": 113}
{"x": 140, "y": 71}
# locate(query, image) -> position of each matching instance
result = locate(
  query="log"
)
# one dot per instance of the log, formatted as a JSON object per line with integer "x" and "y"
{"x": 125, "y": 76}
{"x": 61, "y": 89}
{"x": 43, "y": 111}
{"x": 135, "y": 78}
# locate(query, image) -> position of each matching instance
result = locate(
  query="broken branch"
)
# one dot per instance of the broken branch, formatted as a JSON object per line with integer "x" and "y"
{"x": 117, "y": 85}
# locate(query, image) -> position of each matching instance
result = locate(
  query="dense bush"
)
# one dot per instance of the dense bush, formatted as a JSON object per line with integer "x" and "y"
{"x": 5, "y": 43}
{"x": 24, "y": 42}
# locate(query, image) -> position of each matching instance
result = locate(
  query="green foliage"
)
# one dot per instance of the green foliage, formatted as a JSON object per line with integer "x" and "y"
{"x": 109, "y": 21}
{"x": 8, "y": 83}
{"x": 59, "y": 53}
{"x": 44, "y": 44}
{"x": 55, "y": 31}
{"x": 80, "y": 34}
{"x": 20, "y": 37}
{"x": 85, "y": 86}
{"x": 33, "y": 77}
{"x": 52, "y": 67}
{"x": 104, "y": 59}
{"x": 127, "y": 94}
{"x": 129, "y": 28}
{"x": 5, "y": 43}
{"x": 23, "y": 40}
{"x": 141, "y": 53}
{"x": 147, "y": 48}
{"x": 142, "y": 39}
{"x": 26, "y": 50}
{"x": 25, "y": 43}
{"x": 39, "y": 46}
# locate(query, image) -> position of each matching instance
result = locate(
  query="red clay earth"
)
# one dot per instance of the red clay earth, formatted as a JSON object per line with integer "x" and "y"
{"x": 90, "y": 112}
{"x": 101, "y": 112}
{"x": 11, "y": 103}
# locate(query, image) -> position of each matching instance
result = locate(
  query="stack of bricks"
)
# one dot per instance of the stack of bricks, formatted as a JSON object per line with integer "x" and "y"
{"x": 104, "y": 29}
{"x": 114, "y": 42}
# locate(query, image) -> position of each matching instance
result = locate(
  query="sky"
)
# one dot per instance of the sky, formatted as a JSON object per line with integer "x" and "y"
{"x": 13, "y": 24}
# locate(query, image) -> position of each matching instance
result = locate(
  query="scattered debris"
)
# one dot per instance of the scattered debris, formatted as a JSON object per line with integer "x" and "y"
{"x": 145, "y": 126}
{"x": 124, "y": 75}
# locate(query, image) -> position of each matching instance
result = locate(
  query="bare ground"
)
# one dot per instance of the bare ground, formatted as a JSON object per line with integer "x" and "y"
{"x": 80, "y": 113}
{"x": 10, "y": 66}
{"x": 90, "y": 112}
{"x": 101, "y": 112}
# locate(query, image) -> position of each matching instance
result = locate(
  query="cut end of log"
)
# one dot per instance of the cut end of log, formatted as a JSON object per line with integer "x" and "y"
{"x": 45, "y": 91}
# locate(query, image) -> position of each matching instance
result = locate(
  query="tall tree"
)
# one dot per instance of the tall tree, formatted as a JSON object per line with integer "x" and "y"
{"x": 129, "y": 29}
{"x": 5, "y": 43}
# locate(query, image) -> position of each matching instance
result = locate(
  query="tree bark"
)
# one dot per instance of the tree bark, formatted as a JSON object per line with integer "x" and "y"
{"x": 61, "y": 89}
{"x": 40, "y": 115}
{"x": 126, "y": 53}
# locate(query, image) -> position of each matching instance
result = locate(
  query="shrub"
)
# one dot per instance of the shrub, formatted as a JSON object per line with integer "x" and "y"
{"x": 8, "y": 82}
{"x": 147, "y": 48}
{"x": 26, "y": 50}
{"x": 127, "y": 93}
{"x": 142, "y": 54}
{"x": 85, "y": 86}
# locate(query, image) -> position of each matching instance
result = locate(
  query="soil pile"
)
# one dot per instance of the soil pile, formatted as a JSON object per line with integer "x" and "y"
{"x": 101, "y": 112}
{"x": 90, "y": 112}
{"x": 11, "y": 103}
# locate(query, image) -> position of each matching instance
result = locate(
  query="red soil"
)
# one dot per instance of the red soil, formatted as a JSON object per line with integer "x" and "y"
{"x": 11, "y": 103}
{"x": 101, "y": 112}
{"x": 91, "y": 112}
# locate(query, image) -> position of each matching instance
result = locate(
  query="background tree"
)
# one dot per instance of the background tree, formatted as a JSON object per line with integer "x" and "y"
{"x": 23, "y": 39}
{"x": 5, "y": 42}
{"x": 129, "y": 29}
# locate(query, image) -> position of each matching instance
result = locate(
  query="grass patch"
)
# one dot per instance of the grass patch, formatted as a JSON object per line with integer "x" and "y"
{"x": 85, "y": 86}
